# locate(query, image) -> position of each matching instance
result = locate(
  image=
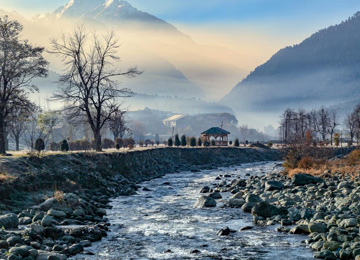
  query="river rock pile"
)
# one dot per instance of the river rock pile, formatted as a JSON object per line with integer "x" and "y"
{"x": 327, "y": 208}
{"x": 54, "y": 230}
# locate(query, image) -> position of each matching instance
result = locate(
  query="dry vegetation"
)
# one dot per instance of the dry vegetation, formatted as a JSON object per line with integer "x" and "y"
{"x": 321, "y": 166}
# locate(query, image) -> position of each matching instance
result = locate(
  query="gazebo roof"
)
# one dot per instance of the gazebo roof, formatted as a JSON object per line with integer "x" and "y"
{"x": 215, "y": 131}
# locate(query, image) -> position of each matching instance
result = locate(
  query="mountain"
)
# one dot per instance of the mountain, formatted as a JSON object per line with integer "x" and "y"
{"x": 119, "y": 11}
{"x": 153, "y": 43}
{"x": 324, "y": 69}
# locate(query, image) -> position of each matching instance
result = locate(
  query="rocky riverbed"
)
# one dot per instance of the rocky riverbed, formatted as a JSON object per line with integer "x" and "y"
{"x": 161, "y": 222}
{"x": 78, "y": 187}
{"x": 326, "y": 209}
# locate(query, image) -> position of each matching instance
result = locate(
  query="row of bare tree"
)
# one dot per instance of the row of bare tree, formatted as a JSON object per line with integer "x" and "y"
{"x": 89, "y": 89}
{"x": 320, "y": 124}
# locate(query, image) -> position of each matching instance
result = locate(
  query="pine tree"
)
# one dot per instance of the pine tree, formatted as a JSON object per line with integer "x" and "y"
{"x": 177, "y": 140}
{"x": 199, "y": 142}
{"x": 170, "y": 142}
{"x": 192, "y": 141}
{"x": 183, "y": 140}
{"x": 236, "y": 143}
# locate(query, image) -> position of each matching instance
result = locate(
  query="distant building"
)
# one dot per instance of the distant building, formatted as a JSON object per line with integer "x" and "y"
{"x": 173, "y": 120}
{"x": 218, "y": 134}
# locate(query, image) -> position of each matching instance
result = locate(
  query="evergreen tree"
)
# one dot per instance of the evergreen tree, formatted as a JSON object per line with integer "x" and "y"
{"x": 177, "y": 140}
{"x": 236, "y": 143}
{"x": 170, "y": 142}
{"x": 192, "y": 141}
{"x": 64, "y": 146}
{"x": 199, "y": 142}
{"x": 183, "y": 140}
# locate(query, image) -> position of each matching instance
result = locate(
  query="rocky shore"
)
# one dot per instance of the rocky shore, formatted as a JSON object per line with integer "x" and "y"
{"x": 325, "y": 208}
{"x": 54, "y": 207}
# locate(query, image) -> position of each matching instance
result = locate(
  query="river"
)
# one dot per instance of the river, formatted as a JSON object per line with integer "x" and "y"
{"x": 161, "y": 223}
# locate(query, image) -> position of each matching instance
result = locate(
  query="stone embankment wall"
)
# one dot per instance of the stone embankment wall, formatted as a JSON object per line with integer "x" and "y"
{"x": 110, "y": 174}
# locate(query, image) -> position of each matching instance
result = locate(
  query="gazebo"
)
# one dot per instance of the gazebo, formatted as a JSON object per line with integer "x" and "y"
{"x": 220, "y": 136}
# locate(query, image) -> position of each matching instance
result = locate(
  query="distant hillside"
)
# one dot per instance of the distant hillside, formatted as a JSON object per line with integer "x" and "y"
{"x": 322, "y": 70}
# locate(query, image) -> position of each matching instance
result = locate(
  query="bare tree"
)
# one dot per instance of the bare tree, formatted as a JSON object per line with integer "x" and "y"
{"x": 117, "y": 124}
{"x": 18, "y": 120}
{"x": 244, "y": 131}
{"x": 89, "y": 85}
{"x": 323, "y": 122}
{"x": 351, "y": 122}
{"x": 333, "y": 124}
{"x": 20, "y": 63}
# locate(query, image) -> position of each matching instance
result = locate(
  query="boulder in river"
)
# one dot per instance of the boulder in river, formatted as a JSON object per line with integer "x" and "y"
{"x": 301, "y": 179}
{"x": 224, "y": 232}
{"x": 253, "y": 198}
{"x": 205, "y": 202}
{"x": 215, "y": 195}
{"x": 205, "y": 189}
{"x": 235, "y": 203}
{"x": 264, "y": 209}
{"x": 273, "y": 185}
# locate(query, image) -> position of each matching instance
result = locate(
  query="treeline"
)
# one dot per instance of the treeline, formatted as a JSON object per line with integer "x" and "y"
{"x": 320, "y": 127}
{"x": 85, "y": 145}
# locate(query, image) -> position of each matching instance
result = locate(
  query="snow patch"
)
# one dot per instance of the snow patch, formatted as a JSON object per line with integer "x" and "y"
{"x": 108, "y": 3}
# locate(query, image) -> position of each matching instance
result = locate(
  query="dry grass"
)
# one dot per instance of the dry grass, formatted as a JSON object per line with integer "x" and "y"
{"x": 350, "y": 165}
{"x": 5, "y": 177}
{"x": 59, "y": 196}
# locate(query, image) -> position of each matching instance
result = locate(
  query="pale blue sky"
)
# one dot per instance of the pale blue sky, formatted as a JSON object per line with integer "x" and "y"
{"x": 282, "y": 19}
{"x": 209, "y": 11}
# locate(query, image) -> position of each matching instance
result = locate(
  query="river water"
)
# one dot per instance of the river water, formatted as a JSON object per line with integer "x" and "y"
{"x": 162, "y": 223}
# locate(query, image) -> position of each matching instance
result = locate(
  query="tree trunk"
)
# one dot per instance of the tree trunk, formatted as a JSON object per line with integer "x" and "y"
{"x": 2, "y": 136}
{"x": 17, "y": 142}
{"x": 98, "y": 142}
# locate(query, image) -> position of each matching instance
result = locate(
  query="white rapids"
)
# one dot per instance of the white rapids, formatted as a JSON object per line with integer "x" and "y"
{"x": 162, "y": 223}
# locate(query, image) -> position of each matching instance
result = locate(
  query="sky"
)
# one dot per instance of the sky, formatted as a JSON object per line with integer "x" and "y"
{"x": 292, "y": 20}
{"x": 215, "y": 11}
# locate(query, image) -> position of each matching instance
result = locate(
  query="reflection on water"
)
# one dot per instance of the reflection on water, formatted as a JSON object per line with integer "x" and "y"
{"x": 162, "y": 224}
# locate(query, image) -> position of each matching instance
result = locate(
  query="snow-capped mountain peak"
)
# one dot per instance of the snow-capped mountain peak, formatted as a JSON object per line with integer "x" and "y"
{"x": 113, "y": 11}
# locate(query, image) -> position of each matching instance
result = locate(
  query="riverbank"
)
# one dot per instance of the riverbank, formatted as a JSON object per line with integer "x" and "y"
{"x": 78, "y": 187}
{"x": 325, "y": 208}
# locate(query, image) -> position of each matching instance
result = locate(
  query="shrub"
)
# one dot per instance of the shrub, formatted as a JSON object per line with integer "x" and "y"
{"x": 149, "y": 142}
{"x": 39, "y": 145}
{"x": 236, "y": 143}
{"x": 64, "y": 146}
{"x": 306, "y": 163}
{"x": 177, "y": 140}
{"x": 141, "y": 143}
{"x": 119, "y": 142}
{"x": 230, "y": 142}
{"x": 270, "y": 144}
{"x": 130, "y": 143}
{"x": 117, "y": 146}
{"x": 107, "y": 143}
{"x": 54, "y": 146}
{"x": 354, "y": 157}
{"x": 192, "y": 141}
{"x": 199, "y": 142}
{"x": 79, "y": 145}
{"x": 183, "y": 140}
{"x": 170, "y": 142}
{"x": 206, "y": 143}
{"x": 213, "y": 143}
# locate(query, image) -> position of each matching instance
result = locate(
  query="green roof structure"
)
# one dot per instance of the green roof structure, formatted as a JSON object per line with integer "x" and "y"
{"x": 215, "y": 131}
